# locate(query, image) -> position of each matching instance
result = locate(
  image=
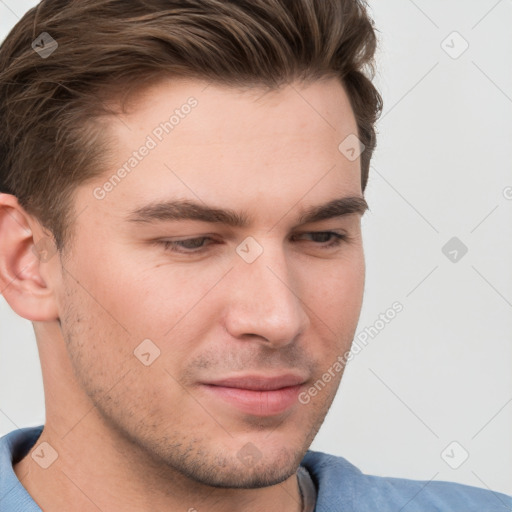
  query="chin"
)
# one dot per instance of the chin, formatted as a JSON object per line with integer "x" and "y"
{"x": 234, "y": 472}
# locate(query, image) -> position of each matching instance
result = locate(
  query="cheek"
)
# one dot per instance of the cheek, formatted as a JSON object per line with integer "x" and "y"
{"x": 102, "y": 358}
{"x": 334, "y": 297}
{"x": 335, "y": 290}
{"x": 145, "y": 298}
{"x": 125, "y": 313}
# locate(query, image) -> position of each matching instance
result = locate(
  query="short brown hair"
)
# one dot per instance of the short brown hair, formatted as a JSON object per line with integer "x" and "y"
{"x": 50, "y": 107}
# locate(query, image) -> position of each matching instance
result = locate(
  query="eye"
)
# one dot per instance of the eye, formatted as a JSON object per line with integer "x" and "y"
{"x": 189, "y": 245}
{"x": 324, "y": 239}
{"x": 321, "y": 237}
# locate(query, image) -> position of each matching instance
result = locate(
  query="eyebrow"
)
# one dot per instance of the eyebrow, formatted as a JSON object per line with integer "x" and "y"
{"x": 191, "y": 210}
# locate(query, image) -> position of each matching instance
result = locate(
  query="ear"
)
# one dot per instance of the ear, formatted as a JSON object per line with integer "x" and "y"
{"x": 28, "y": 259}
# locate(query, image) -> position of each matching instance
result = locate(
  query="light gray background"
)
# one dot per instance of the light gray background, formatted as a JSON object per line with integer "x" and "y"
{"x": 441, "y": 370}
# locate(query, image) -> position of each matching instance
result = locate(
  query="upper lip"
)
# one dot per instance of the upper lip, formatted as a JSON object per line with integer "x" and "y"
{"x": 259, "y": 382}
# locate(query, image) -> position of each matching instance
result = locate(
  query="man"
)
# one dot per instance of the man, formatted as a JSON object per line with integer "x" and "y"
{"x": 182, "y": 188}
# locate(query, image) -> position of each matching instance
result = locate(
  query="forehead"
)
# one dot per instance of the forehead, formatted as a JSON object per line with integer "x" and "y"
{"x": 190, "y": 139}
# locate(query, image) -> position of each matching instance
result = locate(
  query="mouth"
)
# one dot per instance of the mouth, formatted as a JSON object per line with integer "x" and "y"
{"x": 257, "y": 395}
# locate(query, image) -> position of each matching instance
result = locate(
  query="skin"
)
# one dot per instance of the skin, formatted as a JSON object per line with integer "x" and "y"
{"x": 133, "y": 437}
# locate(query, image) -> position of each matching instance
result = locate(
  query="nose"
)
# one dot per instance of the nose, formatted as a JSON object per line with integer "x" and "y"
{"x": 264, "y": 303}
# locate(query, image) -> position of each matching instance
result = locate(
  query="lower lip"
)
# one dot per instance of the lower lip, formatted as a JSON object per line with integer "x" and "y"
{"x": 258, "y": 403}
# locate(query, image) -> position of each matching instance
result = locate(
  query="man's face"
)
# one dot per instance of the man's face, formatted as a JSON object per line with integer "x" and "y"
{"x": 245, "y": 316}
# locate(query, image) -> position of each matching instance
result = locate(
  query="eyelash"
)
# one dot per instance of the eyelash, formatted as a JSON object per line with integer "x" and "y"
{"x": 173, "y": 245}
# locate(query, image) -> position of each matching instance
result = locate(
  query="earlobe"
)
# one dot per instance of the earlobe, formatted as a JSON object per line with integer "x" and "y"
{"x": 26, "y": 254}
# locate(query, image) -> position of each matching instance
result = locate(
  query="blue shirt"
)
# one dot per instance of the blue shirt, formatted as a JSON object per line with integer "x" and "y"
{"x": 341, "y": 487}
